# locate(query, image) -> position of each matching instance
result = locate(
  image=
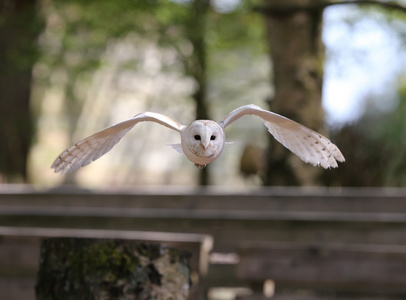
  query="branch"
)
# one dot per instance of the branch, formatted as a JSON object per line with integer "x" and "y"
{"x": 389, "y": 4}
{"x": 287, "y": 9}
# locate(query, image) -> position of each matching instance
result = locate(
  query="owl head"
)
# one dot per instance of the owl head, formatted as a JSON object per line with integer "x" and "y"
{"x": 203, "y": 141}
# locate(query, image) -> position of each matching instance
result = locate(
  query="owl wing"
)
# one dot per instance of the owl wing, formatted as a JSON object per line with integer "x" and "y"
{"x": 98, "y": 144}
{"x": 309, "y": 145}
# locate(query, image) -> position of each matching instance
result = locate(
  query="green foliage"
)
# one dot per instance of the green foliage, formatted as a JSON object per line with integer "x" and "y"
{"x": 240, "y": 27}
{"x": 83, "y": 37}
{"x": 233, "y": 36}
{"x": 85, "y": 28}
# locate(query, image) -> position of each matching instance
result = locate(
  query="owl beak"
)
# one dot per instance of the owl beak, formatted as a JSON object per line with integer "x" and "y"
{"x": 205, "y": 145}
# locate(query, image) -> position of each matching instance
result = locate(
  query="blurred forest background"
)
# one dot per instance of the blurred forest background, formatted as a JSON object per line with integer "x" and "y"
{"x": 70, "y": 68}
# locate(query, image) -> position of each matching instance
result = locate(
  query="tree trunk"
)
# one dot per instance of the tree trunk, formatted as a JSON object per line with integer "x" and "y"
{"x": 297, "y": 53}
{"x": 19, "y": 31}
{"x": 196, "y": 66}
{"x": 88, "y": 269}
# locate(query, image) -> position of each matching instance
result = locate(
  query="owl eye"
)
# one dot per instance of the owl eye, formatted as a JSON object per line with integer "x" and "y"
{"x": 213, "y": 137}
{"x": 197, "y": 137}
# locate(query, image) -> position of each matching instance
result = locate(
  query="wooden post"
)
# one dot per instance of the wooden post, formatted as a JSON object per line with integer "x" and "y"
{"x": 84, "y": 268}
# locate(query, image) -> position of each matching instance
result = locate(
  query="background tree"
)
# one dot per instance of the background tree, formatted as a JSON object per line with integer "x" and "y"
{"x": 211, "y": 44}
{"x": 20, "y": 27}
{"x": 196, "y": 64}
{"x": 195, "y": 30}
{"x": 294, "y": 30}
{"x": 297, "y": 53}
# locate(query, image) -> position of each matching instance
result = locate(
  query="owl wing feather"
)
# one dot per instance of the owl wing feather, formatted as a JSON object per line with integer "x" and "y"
{"x": 309, "y": 145}
{"x": 98, "y": 144}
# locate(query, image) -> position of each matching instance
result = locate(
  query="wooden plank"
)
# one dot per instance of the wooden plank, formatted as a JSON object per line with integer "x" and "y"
{"x": 308, "y": 216}
{"x": 19, "y": 246}
{"x": 17, "y": 289}
{"x": 115, "y": 212}
{"x": 304, "y": 295}
{"x": 269, "y": 199}
{"x": 227, "y": 232}
{"x": 19, "y": 256}
{"x": 342, "y": 267}
{"x": 376, "y": 216}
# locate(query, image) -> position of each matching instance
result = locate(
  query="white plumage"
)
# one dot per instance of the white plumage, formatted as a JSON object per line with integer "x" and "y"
{"x": 202, "y": 141}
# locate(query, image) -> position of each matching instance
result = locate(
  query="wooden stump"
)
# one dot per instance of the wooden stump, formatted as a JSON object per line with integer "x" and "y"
{"x": 83, "y": 268}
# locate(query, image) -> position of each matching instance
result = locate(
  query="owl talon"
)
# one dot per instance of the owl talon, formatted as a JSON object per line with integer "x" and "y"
{"x": 201, "y": 166}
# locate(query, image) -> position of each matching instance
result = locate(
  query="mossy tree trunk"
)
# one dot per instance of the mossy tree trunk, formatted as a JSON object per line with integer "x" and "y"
{"x": 87, "y": 269}
{"x": 297, "y": 54}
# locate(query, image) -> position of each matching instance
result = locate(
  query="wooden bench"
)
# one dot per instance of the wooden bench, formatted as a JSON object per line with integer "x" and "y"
{"x": 342, "y": 268}
{"x": 308, "y": 216}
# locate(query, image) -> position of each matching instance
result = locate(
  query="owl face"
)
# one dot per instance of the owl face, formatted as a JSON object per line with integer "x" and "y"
{"x": 202, "y": 141}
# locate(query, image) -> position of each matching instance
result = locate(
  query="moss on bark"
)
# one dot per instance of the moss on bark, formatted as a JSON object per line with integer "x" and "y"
{"x": 76, "y": 268}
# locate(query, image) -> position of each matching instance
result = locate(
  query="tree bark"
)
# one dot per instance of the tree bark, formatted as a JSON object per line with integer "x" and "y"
{"x": 19, "y": 30}
{"x": 197, "y": 65}
{"x": 89, "y": 269}
{"x": 297, "y": 54}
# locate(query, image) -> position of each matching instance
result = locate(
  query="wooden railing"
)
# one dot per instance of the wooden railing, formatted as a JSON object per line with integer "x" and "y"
{"x": 346, "y": 241}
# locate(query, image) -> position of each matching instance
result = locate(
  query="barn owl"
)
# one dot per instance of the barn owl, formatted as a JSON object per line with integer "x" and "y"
{"x": 203, "y": 141}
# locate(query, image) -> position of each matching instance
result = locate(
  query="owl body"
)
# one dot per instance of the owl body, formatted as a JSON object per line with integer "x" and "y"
{"x": 203, "y": 141}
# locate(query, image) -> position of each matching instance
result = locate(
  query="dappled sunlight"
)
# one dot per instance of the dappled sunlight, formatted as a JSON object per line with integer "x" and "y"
{"x": 138, "y": 75}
